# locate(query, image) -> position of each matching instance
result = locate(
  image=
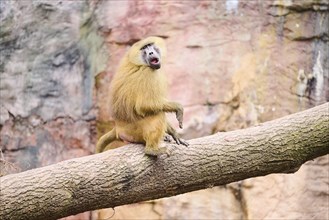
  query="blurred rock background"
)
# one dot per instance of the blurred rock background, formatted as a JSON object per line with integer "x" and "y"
{"x": 232, "y": 64}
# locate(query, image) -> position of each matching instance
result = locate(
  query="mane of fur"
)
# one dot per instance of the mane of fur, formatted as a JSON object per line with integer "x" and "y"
{"x": 136, "y": 87}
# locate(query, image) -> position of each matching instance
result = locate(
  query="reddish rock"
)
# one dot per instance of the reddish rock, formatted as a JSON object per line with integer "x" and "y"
{"x": 232, "y": 64}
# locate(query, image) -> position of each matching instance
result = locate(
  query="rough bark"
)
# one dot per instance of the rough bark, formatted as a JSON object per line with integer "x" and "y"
{"x": 125, "y": 175}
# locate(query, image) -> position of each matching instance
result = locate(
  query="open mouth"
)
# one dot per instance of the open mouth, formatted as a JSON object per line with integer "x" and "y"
{"x": 154, "y": 61}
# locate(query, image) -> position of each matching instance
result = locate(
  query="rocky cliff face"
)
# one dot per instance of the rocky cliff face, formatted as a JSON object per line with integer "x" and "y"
{"x": 49, "y": 55}
{"x": 232, "y": 64}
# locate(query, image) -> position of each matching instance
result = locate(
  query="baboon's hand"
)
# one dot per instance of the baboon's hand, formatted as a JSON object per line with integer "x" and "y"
{"x": 179, "y": 115}
{"x": 168, "y": 138}
{"x": 180, "y": 141}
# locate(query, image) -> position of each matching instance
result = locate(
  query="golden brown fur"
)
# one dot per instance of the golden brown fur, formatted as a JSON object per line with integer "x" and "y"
{"x": 138, "y": 103}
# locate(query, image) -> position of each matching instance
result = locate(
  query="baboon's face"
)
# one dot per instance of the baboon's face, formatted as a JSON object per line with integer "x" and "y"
{"x": 151, "y": 56}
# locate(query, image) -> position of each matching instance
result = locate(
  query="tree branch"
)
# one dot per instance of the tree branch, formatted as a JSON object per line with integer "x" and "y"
{"x": 125, "y": 175}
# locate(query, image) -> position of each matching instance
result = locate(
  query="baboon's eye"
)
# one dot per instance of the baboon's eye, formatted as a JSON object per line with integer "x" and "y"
{"x": 145, "y": 46}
